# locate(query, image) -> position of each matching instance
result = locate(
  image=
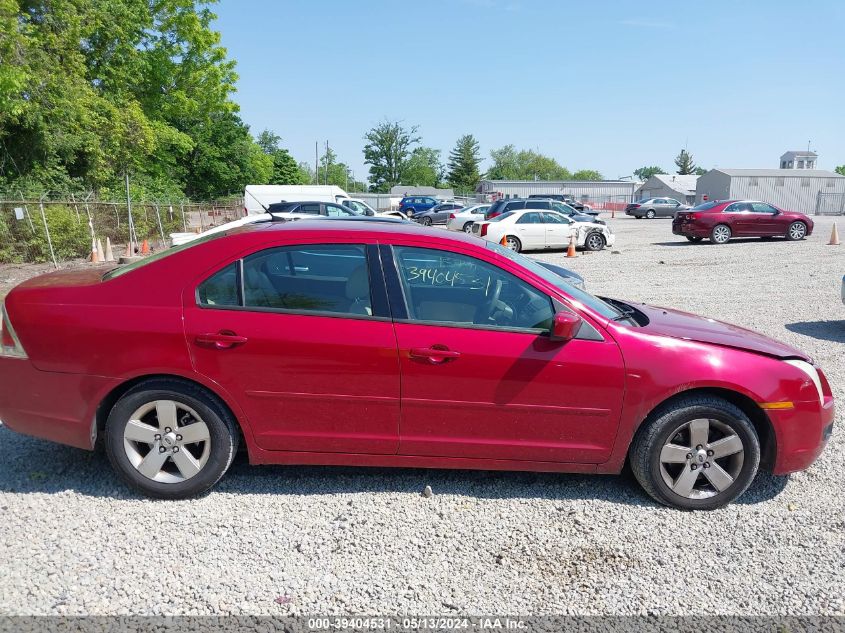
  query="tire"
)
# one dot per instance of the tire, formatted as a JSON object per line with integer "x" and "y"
{"x": 594, "y": 242}
{"x": 683, "y": 476}
{"x": 188, "y": 469}
{"x": 467, "y": 227}
{"x": 693, "y": 238}
{"x": 796, "y": 231}
{"x": 650, "y": 214}
{"x": 514, "y": 244}
{"x": 426, "y": 221}
{"x": 720, "y": 234}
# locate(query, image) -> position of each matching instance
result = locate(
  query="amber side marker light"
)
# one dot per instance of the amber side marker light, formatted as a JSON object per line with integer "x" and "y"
{"x": 776, "y": 405}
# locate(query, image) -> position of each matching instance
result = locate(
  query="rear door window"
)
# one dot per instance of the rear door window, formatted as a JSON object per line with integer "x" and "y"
{"x": 312, "y": 208}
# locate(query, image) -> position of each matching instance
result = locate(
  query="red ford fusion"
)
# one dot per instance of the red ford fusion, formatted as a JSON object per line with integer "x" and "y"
{"x": 378, "y": 343}
{"x": 720, "y": 220}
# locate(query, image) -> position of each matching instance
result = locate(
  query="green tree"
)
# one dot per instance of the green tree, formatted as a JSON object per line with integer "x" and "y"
{"x": 464, "y": 164}
{"x": 700, "y": 171}
{"x": 388, "y": 146}
{"x": 644, "y": 173}
{"x": 685, "y": 164}
{"x": 587, "y": 174}
{"x": 510, "y": 164}
{"x": 423, "y": 168}
{"x": 840, "y": 170}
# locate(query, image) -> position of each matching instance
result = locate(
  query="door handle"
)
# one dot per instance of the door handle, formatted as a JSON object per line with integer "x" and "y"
{"x": 225, "y": 339}
{"x": 436, "y": 354}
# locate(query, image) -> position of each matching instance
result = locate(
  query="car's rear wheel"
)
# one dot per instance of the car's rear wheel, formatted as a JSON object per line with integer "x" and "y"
{"x": 594, "y": 242}
{"x": 693, "y": 238}
{"x": 697, "y": 453}
{"x": 650, "y": 214}
{"x": 425, "y": 221}
{"x": 796, "y": 231}
{"x": 513, "y": 243}
{"x": 468, "y": 227}
{"x": 720, "y": 234}
{"x": 170, "y": 439}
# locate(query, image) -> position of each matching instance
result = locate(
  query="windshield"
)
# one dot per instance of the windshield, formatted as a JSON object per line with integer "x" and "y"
{"x": 122, "y": 270}
{"x": 582, "y": 296}
{"x": 563, "y": 208}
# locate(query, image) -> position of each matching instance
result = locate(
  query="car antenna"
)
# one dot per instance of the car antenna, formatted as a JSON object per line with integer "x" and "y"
{"x": 273, "y": 218}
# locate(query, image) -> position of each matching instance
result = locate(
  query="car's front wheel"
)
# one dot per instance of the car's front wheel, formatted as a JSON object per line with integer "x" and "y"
{"x": 797, "y": 231}
{"x": 170, "y": 439}
{"x": 594, "y": 242}
{"x": 720, "y": 234}
{"x": 697, "y": 453}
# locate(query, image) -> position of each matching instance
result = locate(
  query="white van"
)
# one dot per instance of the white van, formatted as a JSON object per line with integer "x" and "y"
{"x": 256, "y": 195}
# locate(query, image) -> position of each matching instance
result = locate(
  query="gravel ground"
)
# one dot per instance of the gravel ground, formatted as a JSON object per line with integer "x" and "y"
{"x": 294, "y": 540}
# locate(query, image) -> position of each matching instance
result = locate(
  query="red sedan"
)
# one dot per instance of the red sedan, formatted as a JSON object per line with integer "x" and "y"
{"x": 383, "y": 344}
{"x": 720, "y": 220}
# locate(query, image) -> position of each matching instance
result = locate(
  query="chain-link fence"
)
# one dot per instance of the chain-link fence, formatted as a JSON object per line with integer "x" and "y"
{"x": 50, "y": 229}
{"x": 830, "y": 203}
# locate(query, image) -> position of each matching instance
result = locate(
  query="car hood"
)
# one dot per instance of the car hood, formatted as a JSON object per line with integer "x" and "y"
{"x": 691, "y": 327}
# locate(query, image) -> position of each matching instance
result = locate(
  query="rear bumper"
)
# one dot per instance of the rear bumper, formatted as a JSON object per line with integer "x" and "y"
{"x": 688, "y": 229}
{"x": 50, "y": 405}
{"x": 802, "y": 434}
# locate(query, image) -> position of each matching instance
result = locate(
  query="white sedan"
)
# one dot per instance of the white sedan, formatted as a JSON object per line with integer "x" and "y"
{"x": 462, "y": 220}
{"x": 533, "y": 230}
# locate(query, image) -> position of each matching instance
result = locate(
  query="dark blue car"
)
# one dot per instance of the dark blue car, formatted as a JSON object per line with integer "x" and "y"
{"x": 414, "y": 204}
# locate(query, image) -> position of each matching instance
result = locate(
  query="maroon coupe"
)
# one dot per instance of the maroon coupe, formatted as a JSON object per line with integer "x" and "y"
{"x": 720, "y": 220}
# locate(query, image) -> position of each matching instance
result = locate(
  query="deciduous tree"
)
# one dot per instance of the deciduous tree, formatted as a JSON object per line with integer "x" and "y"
{"x": 388, "y": 146}
{"x": 644, "y": 173}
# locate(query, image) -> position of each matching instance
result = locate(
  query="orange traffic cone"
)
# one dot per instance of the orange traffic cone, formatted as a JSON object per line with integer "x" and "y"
{"x": 109, "y": 252}
{"x": 95, "y": 255}
{"x": 834, "y": 236}
{"x": 145, "y": 248}
{"x": 570, "y": 252}
{"x": 504, "y": 240}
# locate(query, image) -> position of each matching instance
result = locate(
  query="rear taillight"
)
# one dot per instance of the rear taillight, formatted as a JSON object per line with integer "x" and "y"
{"x": 484, "y": 229}
{"x": 451, "y": 216}
{"x": 9, "y": 343}
{"x": 635, "y": 206}
{"x": 693, "y": 216}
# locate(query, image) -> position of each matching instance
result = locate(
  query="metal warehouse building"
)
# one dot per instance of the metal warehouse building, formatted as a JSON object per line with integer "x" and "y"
{"x": 810, "y": 191}
{"x": 598, "y": 193}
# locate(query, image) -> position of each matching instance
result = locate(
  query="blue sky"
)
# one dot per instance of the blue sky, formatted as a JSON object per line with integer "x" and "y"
{"x": 603, "y": 85}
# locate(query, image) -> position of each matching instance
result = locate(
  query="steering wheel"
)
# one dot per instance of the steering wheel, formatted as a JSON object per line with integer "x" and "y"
{"x": 493, "y": 302}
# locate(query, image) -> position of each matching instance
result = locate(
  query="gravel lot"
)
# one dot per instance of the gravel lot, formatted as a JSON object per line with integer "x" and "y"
{"x": 295, "y": 540}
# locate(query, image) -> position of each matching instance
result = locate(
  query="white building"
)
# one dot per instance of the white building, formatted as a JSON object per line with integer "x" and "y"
{"x": 805, "y": 191}
{"x": 799, "y": 160}
{"x": 676, "y": 186}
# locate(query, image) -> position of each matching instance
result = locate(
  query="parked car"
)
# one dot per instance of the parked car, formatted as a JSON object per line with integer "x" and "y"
{"x": 720, "y": 220}
{"x": 258, "y": 197}
{"x": 517, "y": 204}
{"x": 438, "y": 214}
{"x": 655, "y": 208}
{"x": 380, "y": 343}
{"x": 289, "y": 211}
{"x": 566, "y": 199}
{"x": 362, "y": 208}
{"x": 531, "y": 230}
{"x": 411, "y": 205}
{"x": 461, "y": 220}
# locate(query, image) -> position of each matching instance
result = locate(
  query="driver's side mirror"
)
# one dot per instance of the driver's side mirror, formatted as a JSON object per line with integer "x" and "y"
{"x": 565, "y": 326}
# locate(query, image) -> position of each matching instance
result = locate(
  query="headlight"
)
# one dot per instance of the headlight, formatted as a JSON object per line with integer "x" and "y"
{"x": 808, "y": 369}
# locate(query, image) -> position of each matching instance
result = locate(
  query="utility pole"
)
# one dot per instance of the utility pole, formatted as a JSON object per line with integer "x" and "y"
{"x": 326, "y": 177}
{"x": 316, "y": 162}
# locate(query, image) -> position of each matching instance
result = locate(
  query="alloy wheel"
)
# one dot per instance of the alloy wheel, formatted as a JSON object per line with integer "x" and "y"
{"x": 701, "y": 459}
{"x": 167, "y": 441}
{"x": 797, "y": 230}
{"x": 594, "y": 242}
{"x": 468, "y": 227}
{"x": 721, "y": 234}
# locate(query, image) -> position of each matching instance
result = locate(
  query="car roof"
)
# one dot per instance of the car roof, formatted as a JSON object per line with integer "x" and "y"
{"x": 339, "y": 226}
